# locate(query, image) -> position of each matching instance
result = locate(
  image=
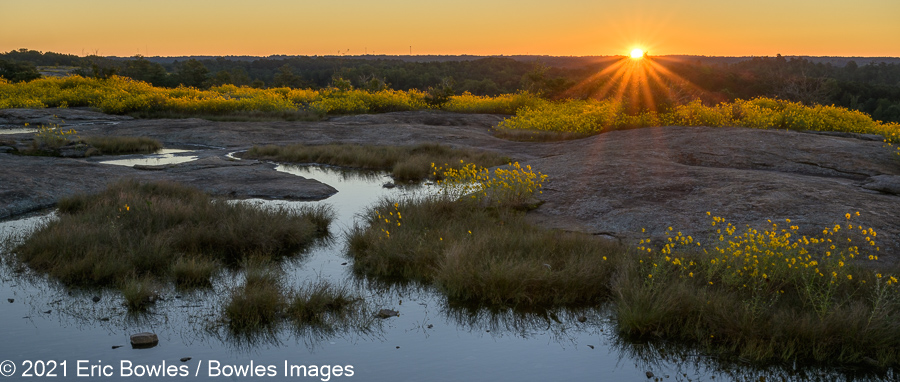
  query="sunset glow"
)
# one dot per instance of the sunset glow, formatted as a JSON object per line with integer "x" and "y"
{"x": 637, "y": 53}
{"x": 404, "y": 27}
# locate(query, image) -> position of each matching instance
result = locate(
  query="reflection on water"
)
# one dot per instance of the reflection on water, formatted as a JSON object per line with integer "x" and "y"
{"x": 162, "y": 157}
{"x": 432, "y": 339}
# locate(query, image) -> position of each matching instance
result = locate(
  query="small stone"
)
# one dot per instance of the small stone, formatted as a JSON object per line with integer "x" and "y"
{"x": 11, "y": 300}
{"x": 389, "y": 185}
{"x": 95, "y": 299}
{"x": 591, "y": 346}
{"x": 116, "y": 346}
{"x": 582, "y": 318}
{"x": 144, "y": 340}
{"x": 185, "y": 359}
{"x": 48, "y": 312}
{"x": 649, "y": 374}
{"x": 398, "y": 347}
{"x": 385, "y": 313}
{"x": 343, "y": 263}
{"x": 430, "y": 326}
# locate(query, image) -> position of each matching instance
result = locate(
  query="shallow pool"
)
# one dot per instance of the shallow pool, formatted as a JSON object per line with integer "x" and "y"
{"x": 431, "y": 340}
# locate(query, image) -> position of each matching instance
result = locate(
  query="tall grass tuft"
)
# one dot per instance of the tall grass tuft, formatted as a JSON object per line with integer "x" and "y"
{"x": 407, "y": 163}
{"x": 160, "y": 229}
{"x": 124, "y": 145}
{"x": 257, "y": 304}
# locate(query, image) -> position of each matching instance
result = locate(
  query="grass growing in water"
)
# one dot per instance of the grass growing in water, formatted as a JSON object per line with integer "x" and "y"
{"x": 161, "y": 231}
{"x": 483, "y": 254}
{"x": 124, "y": 145}
{"x": 767, "y": 295}
{"x": 406, "y": 163}
{"x": 262, "y": 303}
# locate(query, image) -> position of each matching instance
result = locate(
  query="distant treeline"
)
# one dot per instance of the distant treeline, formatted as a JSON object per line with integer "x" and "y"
{"x": 873, "y": 88}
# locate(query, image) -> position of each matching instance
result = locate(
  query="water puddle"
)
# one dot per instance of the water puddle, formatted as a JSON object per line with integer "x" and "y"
{"x": 430, "y": 340}
{"x": 163, "y": 157}
{"x": 17, "y": 130}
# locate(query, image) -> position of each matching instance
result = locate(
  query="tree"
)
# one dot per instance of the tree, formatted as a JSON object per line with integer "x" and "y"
{"x": 15, "y": 71}
{"x": 142, "y": 69}
{"x": 192, "y": 73}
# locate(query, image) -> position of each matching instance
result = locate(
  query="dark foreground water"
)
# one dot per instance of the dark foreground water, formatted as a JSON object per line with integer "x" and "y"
{"x": 48, "y": 329}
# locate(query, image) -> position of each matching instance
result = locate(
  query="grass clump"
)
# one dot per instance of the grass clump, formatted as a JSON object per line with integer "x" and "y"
{"x": 481, "y": 255}
{"x": 161, "y": 231}
{"x": 194, "y": 272}
{"x": 139, "y": 293}
{"x": 263, "y": 302}
{"x": 473, "y": 244}
{"x": 321, "y": 305}
{"x": 406, "y": 163}
{"x": 259, "y": 302}
{"x": 124, "y": 145}
{"x": 766, "y": 295}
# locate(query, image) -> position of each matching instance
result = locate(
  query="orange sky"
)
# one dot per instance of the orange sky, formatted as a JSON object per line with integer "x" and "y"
{"x": 480, "y": 27}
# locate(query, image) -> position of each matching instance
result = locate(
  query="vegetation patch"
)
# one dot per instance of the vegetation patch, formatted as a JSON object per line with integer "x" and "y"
{"x": 474, "y": 244}
{"x": 160, "y": 232}
{"x": 124, "y": 145}
{"x": 767, "y": 295}
{"x": 586, "y": 117}
{"x": 406, "y": 163}
{"x": 263, "y": 302}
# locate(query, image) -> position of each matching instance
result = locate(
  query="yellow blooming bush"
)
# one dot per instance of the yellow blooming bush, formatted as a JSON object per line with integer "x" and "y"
{"x": 593, "y": 116}
{"x": 512, "y": 186}
{"x": 766, "y": 262}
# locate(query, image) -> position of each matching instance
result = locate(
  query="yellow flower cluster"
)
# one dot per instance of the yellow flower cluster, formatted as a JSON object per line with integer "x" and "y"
{"x": 389, "y": 221}
{"x": 513, "y": 185}
{"x": 593, "y": 116}
{"x": 750, "y": 256}
{"x": 118, "y": 95}
{"x": 53, "y": 135}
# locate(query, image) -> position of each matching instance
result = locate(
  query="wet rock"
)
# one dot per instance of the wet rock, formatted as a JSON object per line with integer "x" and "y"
{"x": 649, "y": 374}
{"x": 6, "y": 149}
{"x": 185, "y": 359}
{"x": 116, "y": 346}
{"x": 48, "y": 312}
{"x": 343, "y": 263}
{"x": 95, "y": 299}
{"x": 591, "y": 346}
{"x": 144, "y": 340}
{"x": 389, "y": 185}
{"x": 386, "y": 313}
{"x": 11, "y": 300}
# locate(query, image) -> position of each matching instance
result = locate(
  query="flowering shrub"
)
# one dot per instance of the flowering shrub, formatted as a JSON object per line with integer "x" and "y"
{"x": 512, "y": 186}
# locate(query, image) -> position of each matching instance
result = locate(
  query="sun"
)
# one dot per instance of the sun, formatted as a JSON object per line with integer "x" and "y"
{"x": 637, "y": 53}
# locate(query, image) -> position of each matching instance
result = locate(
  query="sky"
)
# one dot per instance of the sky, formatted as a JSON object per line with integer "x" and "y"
{"x": 477, "y": 27}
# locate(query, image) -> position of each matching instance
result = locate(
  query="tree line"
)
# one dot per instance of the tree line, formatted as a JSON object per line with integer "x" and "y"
{"x": 873, "y": 88}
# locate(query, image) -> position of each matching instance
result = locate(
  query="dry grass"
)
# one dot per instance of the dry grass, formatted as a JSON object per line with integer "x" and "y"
{"x": 407, "y": 163}
{"x": 161, "y": 232}
{"x": 124, "y": 145}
